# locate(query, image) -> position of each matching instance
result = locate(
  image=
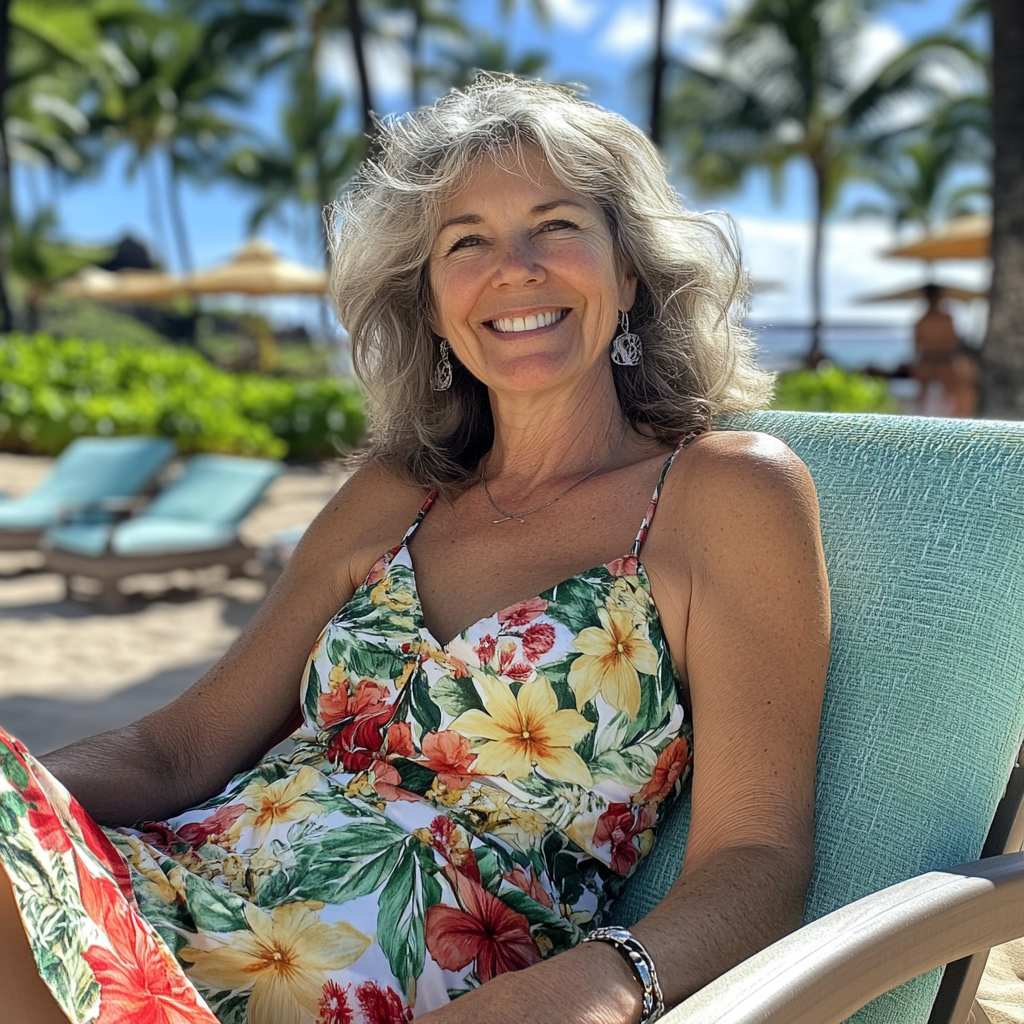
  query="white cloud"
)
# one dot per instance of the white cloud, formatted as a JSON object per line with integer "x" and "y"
{"x": 630, "y": 33}
{"x": 387, "y": 66}
{"x": 575, "y": 14}
{"x": 877, "y": 44}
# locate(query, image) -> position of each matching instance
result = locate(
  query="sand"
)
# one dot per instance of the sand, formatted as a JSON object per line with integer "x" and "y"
{"x": 67, "y": 670}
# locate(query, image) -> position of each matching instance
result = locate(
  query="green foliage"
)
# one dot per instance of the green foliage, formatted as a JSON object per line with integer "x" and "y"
{"x": 53, "y": 390}
{"x": 830, "y": 389}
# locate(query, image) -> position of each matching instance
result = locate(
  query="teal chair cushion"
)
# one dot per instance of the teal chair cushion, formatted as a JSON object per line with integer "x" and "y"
{"x": 923, "y": 527}
{"x": 89, "y": 469}
{"x": 143, "y": 536}
{"x": 215, "y": 489}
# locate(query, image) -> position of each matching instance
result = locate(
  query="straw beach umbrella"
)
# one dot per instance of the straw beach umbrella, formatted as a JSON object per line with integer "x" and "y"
{"x": 948, "y": 291}
{"x": 256, "y": 269}
{"x": 963, "y": 238}
{"x": 121, "y": 285}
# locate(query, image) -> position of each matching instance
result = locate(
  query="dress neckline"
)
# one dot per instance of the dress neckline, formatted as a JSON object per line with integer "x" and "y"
{"x": 634, "y": 553}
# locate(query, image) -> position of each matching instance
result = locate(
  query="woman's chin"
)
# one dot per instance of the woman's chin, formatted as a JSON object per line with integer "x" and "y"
{"x": 537, "y": 373}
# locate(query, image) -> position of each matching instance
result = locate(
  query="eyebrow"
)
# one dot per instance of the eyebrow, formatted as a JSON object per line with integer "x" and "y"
{"x": 475, "y": 218}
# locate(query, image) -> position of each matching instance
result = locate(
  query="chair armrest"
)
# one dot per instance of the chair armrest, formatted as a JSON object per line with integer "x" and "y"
{"x": 828, "y": 969}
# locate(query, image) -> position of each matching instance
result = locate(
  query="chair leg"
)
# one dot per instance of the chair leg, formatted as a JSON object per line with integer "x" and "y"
{"x": 111, "y": 599}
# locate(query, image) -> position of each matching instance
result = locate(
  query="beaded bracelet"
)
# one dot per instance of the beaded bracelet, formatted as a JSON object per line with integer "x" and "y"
{"x": 643, "y": 966}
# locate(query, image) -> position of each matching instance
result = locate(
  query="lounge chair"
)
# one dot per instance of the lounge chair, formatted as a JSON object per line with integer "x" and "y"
{"x": 923, "y": 525}
{"x": 90, "y": 471}
{"x": 192, "y": 524}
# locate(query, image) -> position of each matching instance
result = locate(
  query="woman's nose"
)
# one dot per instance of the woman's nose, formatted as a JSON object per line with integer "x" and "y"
{"x": 519, "y": 263}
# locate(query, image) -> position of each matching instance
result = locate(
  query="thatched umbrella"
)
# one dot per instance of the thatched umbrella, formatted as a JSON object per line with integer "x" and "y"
{"x": 963, "y": 238}
{"x": 946, "y": 291}
{"x": 256, "y": 269}
{"x": 121, "y": 285}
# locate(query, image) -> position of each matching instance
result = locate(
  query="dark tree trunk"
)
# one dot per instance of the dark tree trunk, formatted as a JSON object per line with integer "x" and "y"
{"x": 416, "y": 54}
{"x": 355, "y": 28}
{"x": 6, "y": 204}
{"x": 658, "y": 74}
{"x": 814, "y": 353}
{"x": 177, "y": 215}
{"x": 1002, "y": 356}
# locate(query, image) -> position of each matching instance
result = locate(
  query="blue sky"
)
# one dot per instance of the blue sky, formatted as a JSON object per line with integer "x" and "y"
{"x": 600, "y": 44}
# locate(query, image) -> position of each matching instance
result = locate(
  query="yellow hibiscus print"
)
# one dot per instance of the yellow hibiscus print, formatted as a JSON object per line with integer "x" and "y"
{"x": 523, "y": 731}
{"x": 284, "y": 958}
{"x": 611, "y": 656}
{"x": 274, "y": 803}
{"x": 400, "y": 600}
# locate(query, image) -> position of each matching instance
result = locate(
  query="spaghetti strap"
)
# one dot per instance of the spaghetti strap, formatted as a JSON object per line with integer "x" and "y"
{"x": 653, "y": 507}
{"x": 424, "y": 509}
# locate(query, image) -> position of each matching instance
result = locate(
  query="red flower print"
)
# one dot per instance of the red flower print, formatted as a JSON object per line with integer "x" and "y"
{"x": 449, "y": 754}
{"x": 387, "y": 783}
{"x": 360, "y": 738}
{"x": 139, "y": 982}
{"x": 529, "y": 884}
{"x": 537, "y": 640}
{"x": 45, "y": 824}
{"x": 486, "y": 648}
{"x": 485, "y": 930}
{"x": 618, "y": 826}
{"x": 194, "y": 833}
{"x": 451, "y": 842}
{"x": 377, "y": 570}
{"x": 382, "y": 1005}
{"x": 672, "y": 762}
{"x": 508, "y": 664}
{"x": 334, "y": 1008}
{"x": 625, "y": 566}
{"x": 400, "y": 740}
{"x": 522, "y": 613}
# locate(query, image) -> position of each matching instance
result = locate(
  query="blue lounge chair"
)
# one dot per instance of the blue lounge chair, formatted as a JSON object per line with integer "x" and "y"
{"x": 95, "y": 471}
{"x": 191, "y": 524}
{"x": 923, "y": 526}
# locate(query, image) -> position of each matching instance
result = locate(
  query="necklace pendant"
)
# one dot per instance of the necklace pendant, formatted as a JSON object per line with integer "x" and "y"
{"x": 507, "y": 519}
{"x": 522, "y": 522}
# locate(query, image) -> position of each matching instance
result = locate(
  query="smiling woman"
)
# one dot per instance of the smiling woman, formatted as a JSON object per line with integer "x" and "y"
{"x": 548, "y": 596}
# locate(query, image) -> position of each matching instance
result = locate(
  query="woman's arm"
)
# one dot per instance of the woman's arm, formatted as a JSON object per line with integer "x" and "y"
{"x": 191, "y": 748}
{"x": 738, "y": 525}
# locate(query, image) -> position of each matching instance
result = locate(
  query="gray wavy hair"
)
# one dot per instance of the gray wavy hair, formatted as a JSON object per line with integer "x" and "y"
{"x": 691, "y": 288}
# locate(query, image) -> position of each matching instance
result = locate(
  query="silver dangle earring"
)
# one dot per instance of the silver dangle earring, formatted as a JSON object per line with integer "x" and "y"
{"x": 626, "y": 347}
{"x": 441, "y": 378}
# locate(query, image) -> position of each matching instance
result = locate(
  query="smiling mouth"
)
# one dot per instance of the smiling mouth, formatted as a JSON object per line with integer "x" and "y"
{"x": 513, "y": 325}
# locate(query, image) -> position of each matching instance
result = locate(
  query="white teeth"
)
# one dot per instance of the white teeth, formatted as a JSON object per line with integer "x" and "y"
{"x": 510, "y": 325}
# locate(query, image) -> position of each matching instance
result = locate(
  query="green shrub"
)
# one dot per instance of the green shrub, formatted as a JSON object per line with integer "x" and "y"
{"x": 52, "y": 391}
{"x": 830, "y": 389}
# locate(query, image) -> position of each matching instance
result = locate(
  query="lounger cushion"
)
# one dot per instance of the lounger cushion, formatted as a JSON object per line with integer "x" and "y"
{"x": 144, "y": 536}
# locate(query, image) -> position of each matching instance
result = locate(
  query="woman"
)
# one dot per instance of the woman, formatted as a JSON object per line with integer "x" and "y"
{"x": 490, "y": 727}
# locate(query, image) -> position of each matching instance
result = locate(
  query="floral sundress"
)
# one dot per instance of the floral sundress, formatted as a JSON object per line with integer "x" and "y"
{"x": 449, "y": 812}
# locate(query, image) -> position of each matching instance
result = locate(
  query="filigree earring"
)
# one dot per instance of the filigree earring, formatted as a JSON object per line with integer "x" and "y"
{"x": 441, "y": 378}
{"x": 626, "y": 347}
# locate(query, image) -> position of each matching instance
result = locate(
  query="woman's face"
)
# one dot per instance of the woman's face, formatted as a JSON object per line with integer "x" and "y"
{"x": 525, "y": 278}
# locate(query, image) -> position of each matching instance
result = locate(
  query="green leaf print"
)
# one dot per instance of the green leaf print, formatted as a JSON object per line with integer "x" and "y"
{"x": 490, "y": 872}
{"x": 534, "y": 912}
{"x": 214, "y": 909}
{"x": 404, "y": 901}
{"x": 13, "y": 770}
{"x": 416, "y": 778}
{"x": 454, "y": 696}
{"x": 424, "y": 710}
{"x": 311, "y": 698}
{"x": 12, "y": 808}
{"x": 574, "y": 603}
{"x": 340, "y": 879}
{"x": 366, "y": 661}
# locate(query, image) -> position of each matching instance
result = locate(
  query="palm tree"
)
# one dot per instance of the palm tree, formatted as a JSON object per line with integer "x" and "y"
{"x": 915, "y": 172}
{"x": 1002, "y": 355}
{"x": 659, "y": 67}
{"x": 784, "y": 89}
{"x": 459, "y": 64}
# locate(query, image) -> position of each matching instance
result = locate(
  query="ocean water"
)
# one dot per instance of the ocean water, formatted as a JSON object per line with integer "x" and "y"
{"x": 782, "y": 347}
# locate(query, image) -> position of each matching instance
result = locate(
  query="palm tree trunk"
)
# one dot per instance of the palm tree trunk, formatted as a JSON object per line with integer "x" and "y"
{"x": 814, "y": 353}
{"x": 153, "y": 200}
{"x": 658, "y": 74}
{"x": 355, "y": 28}
{"x": 177, "y": 214}
{"x": 415, "y": 55}
{"x": 6, "y": 205}
{"x": 1002, "y": 355}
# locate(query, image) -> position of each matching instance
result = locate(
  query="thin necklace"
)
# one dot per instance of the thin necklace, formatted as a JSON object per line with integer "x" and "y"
{"x": 521, "y": 516}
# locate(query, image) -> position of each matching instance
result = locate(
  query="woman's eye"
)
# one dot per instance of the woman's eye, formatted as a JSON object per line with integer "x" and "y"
{"x": 464, "y": 243}
{"x": 558, "y": 225}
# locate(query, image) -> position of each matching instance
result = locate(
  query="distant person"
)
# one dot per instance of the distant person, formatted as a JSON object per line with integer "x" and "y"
{"x": 491, "y": 726}
{"x": 942, "y": 361}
